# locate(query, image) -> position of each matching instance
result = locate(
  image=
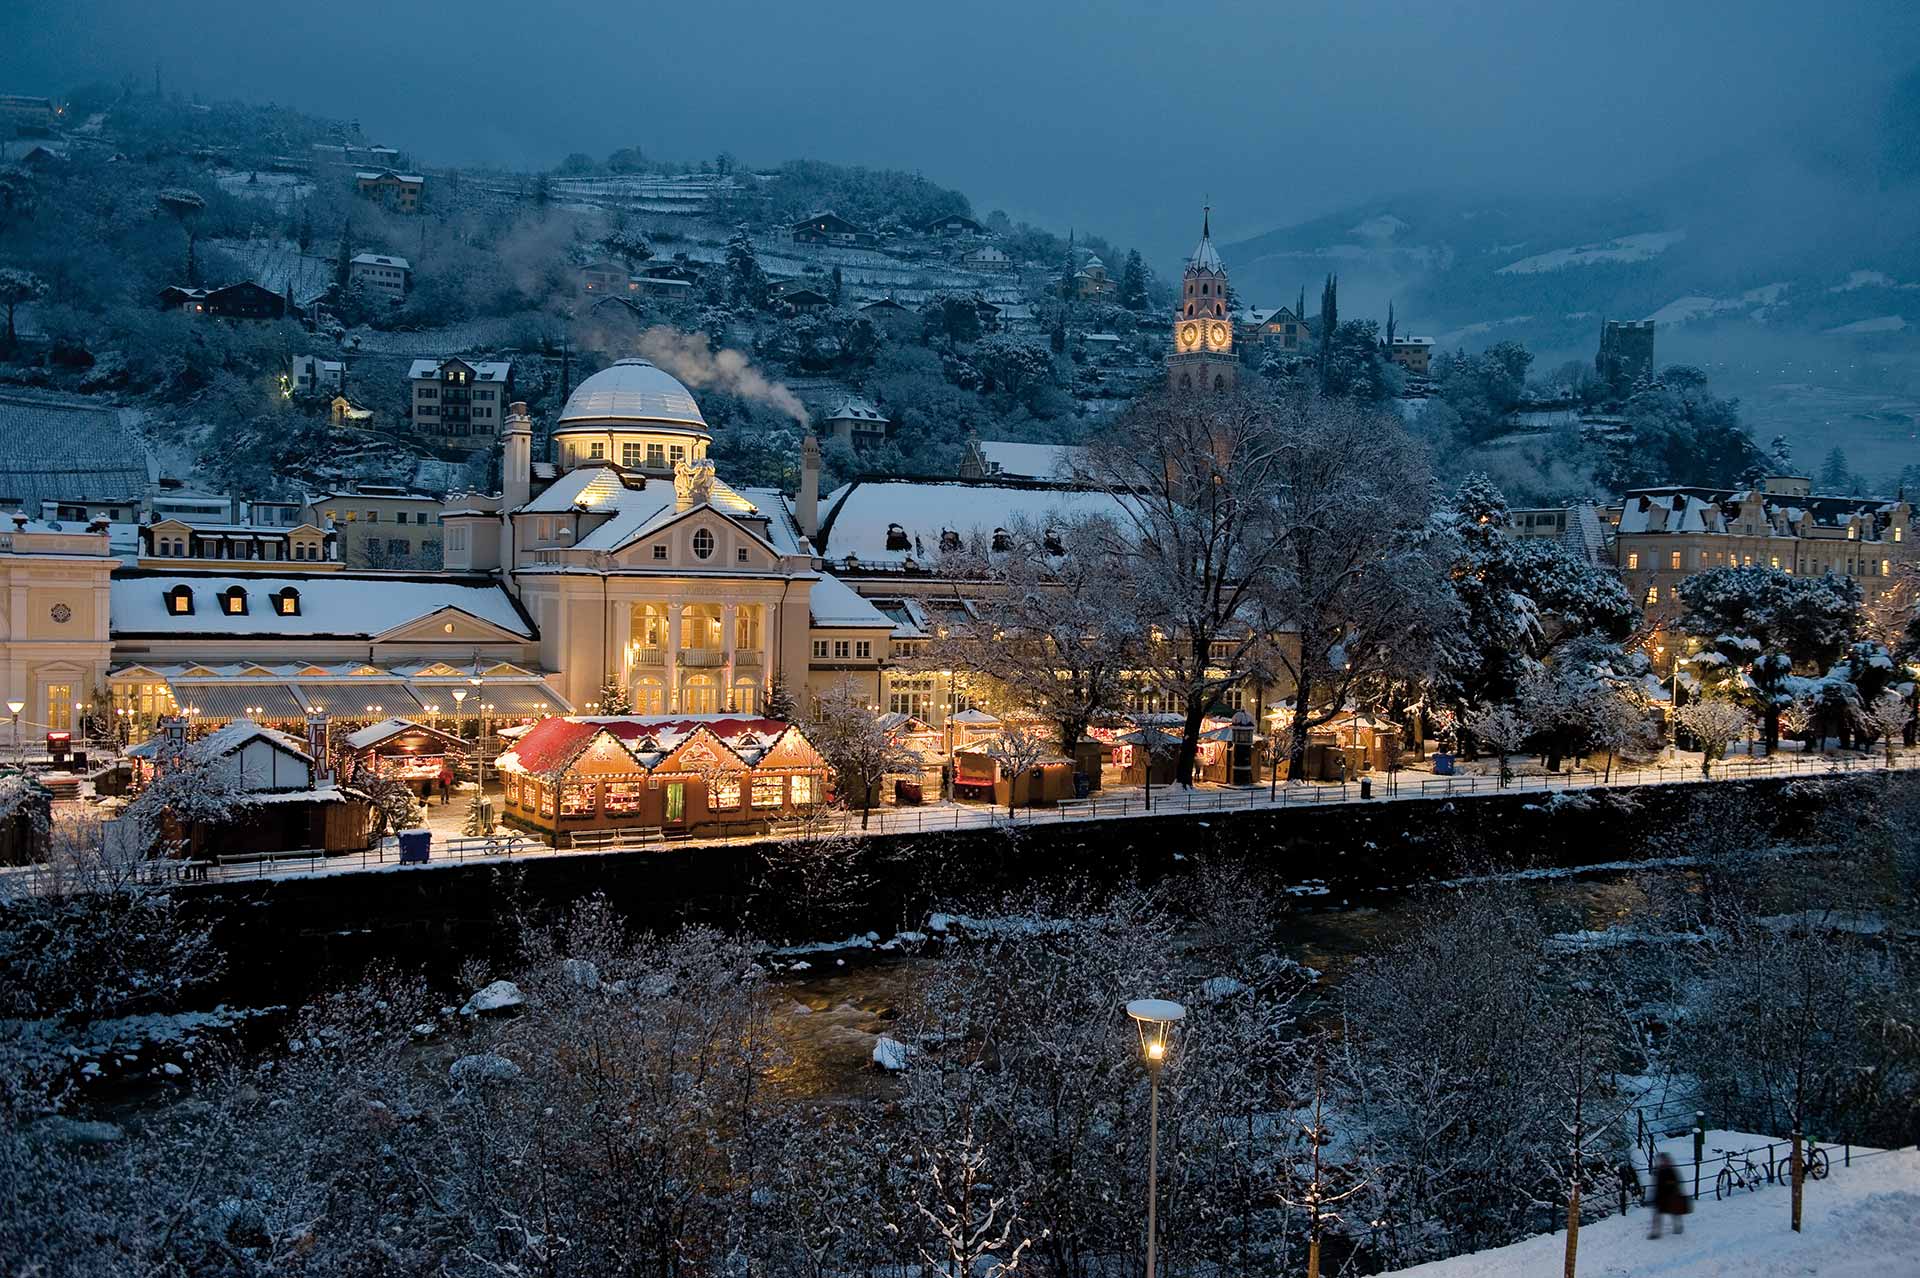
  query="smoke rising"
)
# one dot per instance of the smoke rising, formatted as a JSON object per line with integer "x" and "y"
{"x": 692, "y": 359}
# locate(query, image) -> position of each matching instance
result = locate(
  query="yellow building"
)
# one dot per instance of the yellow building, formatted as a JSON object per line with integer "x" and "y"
{"x": 380, "y": 526}
{"x": 54, "y": 624}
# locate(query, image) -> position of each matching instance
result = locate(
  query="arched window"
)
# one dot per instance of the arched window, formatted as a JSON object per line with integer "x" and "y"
{"x": 233, "y": 601}
{"x": 287, "y": 602}
{"x": 180, "y": 601}
{"x": 702, "y": 544}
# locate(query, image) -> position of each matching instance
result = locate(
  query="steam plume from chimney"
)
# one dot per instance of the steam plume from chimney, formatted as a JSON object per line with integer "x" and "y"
{"x": 692, "y": 359}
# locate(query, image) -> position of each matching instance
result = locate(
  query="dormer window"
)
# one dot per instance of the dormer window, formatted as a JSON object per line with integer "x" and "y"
{"x": 287, "y": 602}
{"x": 949, "y": 541}
{"x": 180, "y": 601}
{"x": 1001, "y": 541}
{"x": 897, "y": 538}
{"x": 1051, "y": 540}
{"x": 233, "y": 601}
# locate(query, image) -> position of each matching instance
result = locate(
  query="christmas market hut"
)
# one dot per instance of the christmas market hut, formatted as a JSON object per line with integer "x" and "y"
{"x": 247, "y": 788}
{"x": 405, "y": 750}
{"x": 716, "y": 773}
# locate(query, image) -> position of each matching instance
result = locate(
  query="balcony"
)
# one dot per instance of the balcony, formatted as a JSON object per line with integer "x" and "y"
{"x": 650, "y": 657}
{"x": 745, "y": 658}
{"x": 702, "y": 657}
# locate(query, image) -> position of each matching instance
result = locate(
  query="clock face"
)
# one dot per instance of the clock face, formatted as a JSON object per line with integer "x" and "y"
{"x": 1189, "y": 336}
{"x": 1217, "y": 334}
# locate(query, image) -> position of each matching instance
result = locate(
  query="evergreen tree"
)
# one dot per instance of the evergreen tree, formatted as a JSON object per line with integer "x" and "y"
{"x": 780, "y": 704}
{"x": 1389, "y": 324}
{"x": 1329, "y": 320}
{"x": 1300, "y": 305}
{"x": 1057, "y": 337}
{"x": 839, "y": 286}
{"x": 1133, "y": 283}
{"x": 614, "y": 699}
{"x": 747, "y": 283}
{"x": 1835, "y": 475}
{"x": 343, "y": 256}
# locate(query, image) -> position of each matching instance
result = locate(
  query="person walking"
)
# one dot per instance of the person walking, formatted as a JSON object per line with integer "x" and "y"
{"x": 1669, "y": 1199}
{"x": 446, "y": 785}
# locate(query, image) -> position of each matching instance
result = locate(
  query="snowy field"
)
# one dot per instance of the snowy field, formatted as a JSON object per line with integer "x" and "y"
{"x": 1863, "y": 1221}
{"x": 1628, "y": 248}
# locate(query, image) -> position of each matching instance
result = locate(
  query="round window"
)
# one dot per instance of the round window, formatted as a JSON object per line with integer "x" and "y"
{"x": 702, "y": 544}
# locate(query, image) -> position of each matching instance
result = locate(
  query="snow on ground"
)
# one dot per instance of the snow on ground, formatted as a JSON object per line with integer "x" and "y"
{"x": 1757, "y": 300}
{"x": 1869, "y": 279}
{"x": 1458, "y": 336}
{"x": 1863, "y": 1221}
{"x": 1878, "y": 324}
{"x": 1627, "y": 248}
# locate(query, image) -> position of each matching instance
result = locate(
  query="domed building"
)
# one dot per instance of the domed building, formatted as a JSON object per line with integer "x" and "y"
{"x": 640, "y": 568}
{"x": 635, "y": 414}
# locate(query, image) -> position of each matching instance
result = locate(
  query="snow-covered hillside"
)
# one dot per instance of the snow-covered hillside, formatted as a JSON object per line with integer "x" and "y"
{"x": 1625, "y": 248}
{"x": 1863, "y": 1221}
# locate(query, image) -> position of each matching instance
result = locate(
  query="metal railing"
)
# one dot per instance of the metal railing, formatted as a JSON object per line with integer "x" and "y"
{"x": 1171, "y": 800}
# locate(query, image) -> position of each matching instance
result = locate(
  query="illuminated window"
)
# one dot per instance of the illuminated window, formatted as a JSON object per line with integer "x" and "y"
{"x": 725, "y": 794}
{"x": 287, "y": 602}
{"x": 180, "y": 601}
{"x": 1886, "y": 567}
{"x": 702, "y": 544}
{"x": 803, "y": 789}
{"x": 576, "y": 800}
{"x": 768, "y": 791}
{"x": 621, "y": 797}
{"x": 1673, "y": 560}
{"x": 546, "y": 800}
{"x": 1633, "y": 559}
{"x": 1653, "y": 594}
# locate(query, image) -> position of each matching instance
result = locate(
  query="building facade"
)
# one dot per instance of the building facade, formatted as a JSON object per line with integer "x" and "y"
{"x": 381, "y": 275}
{"x": 1668, "y": 534}
{"x": 401, "y": 192}
{"x": 380, "y": 526}
{"x": 460, "y": 403}
{"x": 54, "y": 628}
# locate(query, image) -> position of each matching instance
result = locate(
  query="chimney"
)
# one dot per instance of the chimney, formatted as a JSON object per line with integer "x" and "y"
{"x": 516, "y": 458}
{"x": 806, "y": 504}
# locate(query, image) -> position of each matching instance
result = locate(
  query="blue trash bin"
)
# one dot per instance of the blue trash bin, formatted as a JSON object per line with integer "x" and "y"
{"x": 1443, "y": 764}
{"x": 414, "y": 846}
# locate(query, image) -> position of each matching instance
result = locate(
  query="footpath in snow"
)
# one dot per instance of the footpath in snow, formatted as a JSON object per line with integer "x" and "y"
{"x": 1863, "y": 1221}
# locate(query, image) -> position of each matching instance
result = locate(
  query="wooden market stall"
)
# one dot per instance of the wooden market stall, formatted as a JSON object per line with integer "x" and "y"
{"x": 716, "y": 773}
{"x": 406, "y": 751}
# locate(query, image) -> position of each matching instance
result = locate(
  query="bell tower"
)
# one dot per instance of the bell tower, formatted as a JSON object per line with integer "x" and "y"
{"x": 1203, "y": 356}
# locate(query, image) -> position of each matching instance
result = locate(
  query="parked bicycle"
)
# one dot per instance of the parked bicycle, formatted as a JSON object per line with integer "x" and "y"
{"x": 1745, "y": 1174}
{"x": 1814, "y": 1161}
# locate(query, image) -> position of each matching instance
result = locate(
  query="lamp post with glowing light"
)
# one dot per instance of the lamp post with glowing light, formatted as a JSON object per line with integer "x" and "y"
{"x": 1154, "y": 1019}
{"x": 15, "y": 707}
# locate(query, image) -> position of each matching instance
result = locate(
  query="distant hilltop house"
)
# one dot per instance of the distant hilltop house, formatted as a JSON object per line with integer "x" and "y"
{"x": 313, "y": 375}
{"x": 986, "y": 258}
{"x": 857, "y": 421}
{"x": 829, "y": 227}
{"x": 380, "y": 273}
{"x": 376, "y": 158}
{"x": 243, "y": 301}
{"x": 1415, "y": 354}
{"x": 1626, "y": 350}
{"x": 460, "y": 403}
{"x": 1091, "y": 280}
{"x": 802, "y": 297}
{"x": 1271, "y": 328}
{"x": 24, "y": 116}
{"x": 954, "y": 224}
{"x": 400, "y": 192}
{"x": 998, "y": 459}
{"x": 607, "y": 278}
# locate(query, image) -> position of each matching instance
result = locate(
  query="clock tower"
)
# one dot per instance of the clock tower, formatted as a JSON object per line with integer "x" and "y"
{"x": 1203, "y": 357}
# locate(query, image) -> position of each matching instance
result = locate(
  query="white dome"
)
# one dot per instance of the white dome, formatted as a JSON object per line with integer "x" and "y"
{"x": 632, "y": 391}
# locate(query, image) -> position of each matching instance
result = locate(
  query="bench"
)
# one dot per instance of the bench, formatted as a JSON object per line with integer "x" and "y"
{"x": 636, "y": 837}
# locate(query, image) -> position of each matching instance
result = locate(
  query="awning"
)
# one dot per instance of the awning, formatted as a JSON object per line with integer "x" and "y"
{"x": 350, "y": 700}
{"x": 233, "y": 700}
{"x": 512, "y": 699}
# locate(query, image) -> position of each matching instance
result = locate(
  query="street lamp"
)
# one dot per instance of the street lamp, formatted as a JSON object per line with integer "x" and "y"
{"x": 15, "y": 707}
{"x": 1154, "y": 1018}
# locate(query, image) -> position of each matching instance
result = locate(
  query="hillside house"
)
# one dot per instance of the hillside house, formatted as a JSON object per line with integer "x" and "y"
{"x": 954, "y": 224}
{"x": 829, "y": 227}
{"x": 381, "y": 274}
{"x": 315, "y": 376}
{"x": 401, "y": 192}
{"x": 460, "y": 403}
{"x": 857, "y": 421}
{"x": 243, "y": 301}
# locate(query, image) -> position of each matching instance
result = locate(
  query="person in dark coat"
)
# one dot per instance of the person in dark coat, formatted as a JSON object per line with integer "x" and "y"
{"x": 446, "y": 784}
{"x": 1669, "y": 1199}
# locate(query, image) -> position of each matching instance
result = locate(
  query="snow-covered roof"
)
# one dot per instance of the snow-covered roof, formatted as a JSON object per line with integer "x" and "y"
{"x": 554, "y": 743}
{"x": 834, "y": 603}
{"x": 368, "y": 175}
{"x": 493, "y": 371}
{"x": 1413, "y": 341}
{"x": 632, "y": 390}
{"x": 1031, "y": 461}
{"x": 854, "y": 408}
{"x": 330, "y": 604}
{"x": 66, "y": 451}
{"x": 225, "y": 740}
{"x": 861, "y": 515}
{"x": 381, "y": 259}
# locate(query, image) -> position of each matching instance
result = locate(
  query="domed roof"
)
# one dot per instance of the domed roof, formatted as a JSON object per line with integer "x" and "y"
{"x": 631, "y": 391}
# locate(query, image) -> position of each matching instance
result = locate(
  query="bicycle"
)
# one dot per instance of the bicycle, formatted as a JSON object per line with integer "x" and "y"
{"x": 1814, "y": 1163}
{"x": 1746, "y": 1175}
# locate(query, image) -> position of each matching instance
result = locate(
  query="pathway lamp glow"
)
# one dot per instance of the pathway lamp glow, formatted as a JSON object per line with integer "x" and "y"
{"x": 1154, "y": 1019}
{"x": 14, "y": 708}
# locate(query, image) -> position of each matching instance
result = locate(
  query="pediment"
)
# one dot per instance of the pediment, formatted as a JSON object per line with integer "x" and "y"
{"x": 792, "y": 751}
{"x": 447, "y": 625}
{"x": 702, "y": 752}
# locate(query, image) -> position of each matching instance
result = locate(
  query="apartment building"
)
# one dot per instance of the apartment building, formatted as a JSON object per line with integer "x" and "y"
{"x": 381, "y": 275}
{"x": 380, "y": 526}
{"x": 460, "y": 403}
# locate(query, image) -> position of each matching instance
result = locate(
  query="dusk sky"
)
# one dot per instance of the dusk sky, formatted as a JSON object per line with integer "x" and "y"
{"x": 1118, "y": 117}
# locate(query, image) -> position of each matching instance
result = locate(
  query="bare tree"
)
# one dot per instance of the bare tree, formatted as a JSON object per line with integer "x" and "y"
{"x": 1715, "y": 724}
{"x": 1886, "y": 719}
{"x": 1054, "y": 629}
{"x": 1019, "y": 751}
{"x": 1197, "y": 478}
{"x": 1503, "y": 730}
{"x": 860, "y": 749}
